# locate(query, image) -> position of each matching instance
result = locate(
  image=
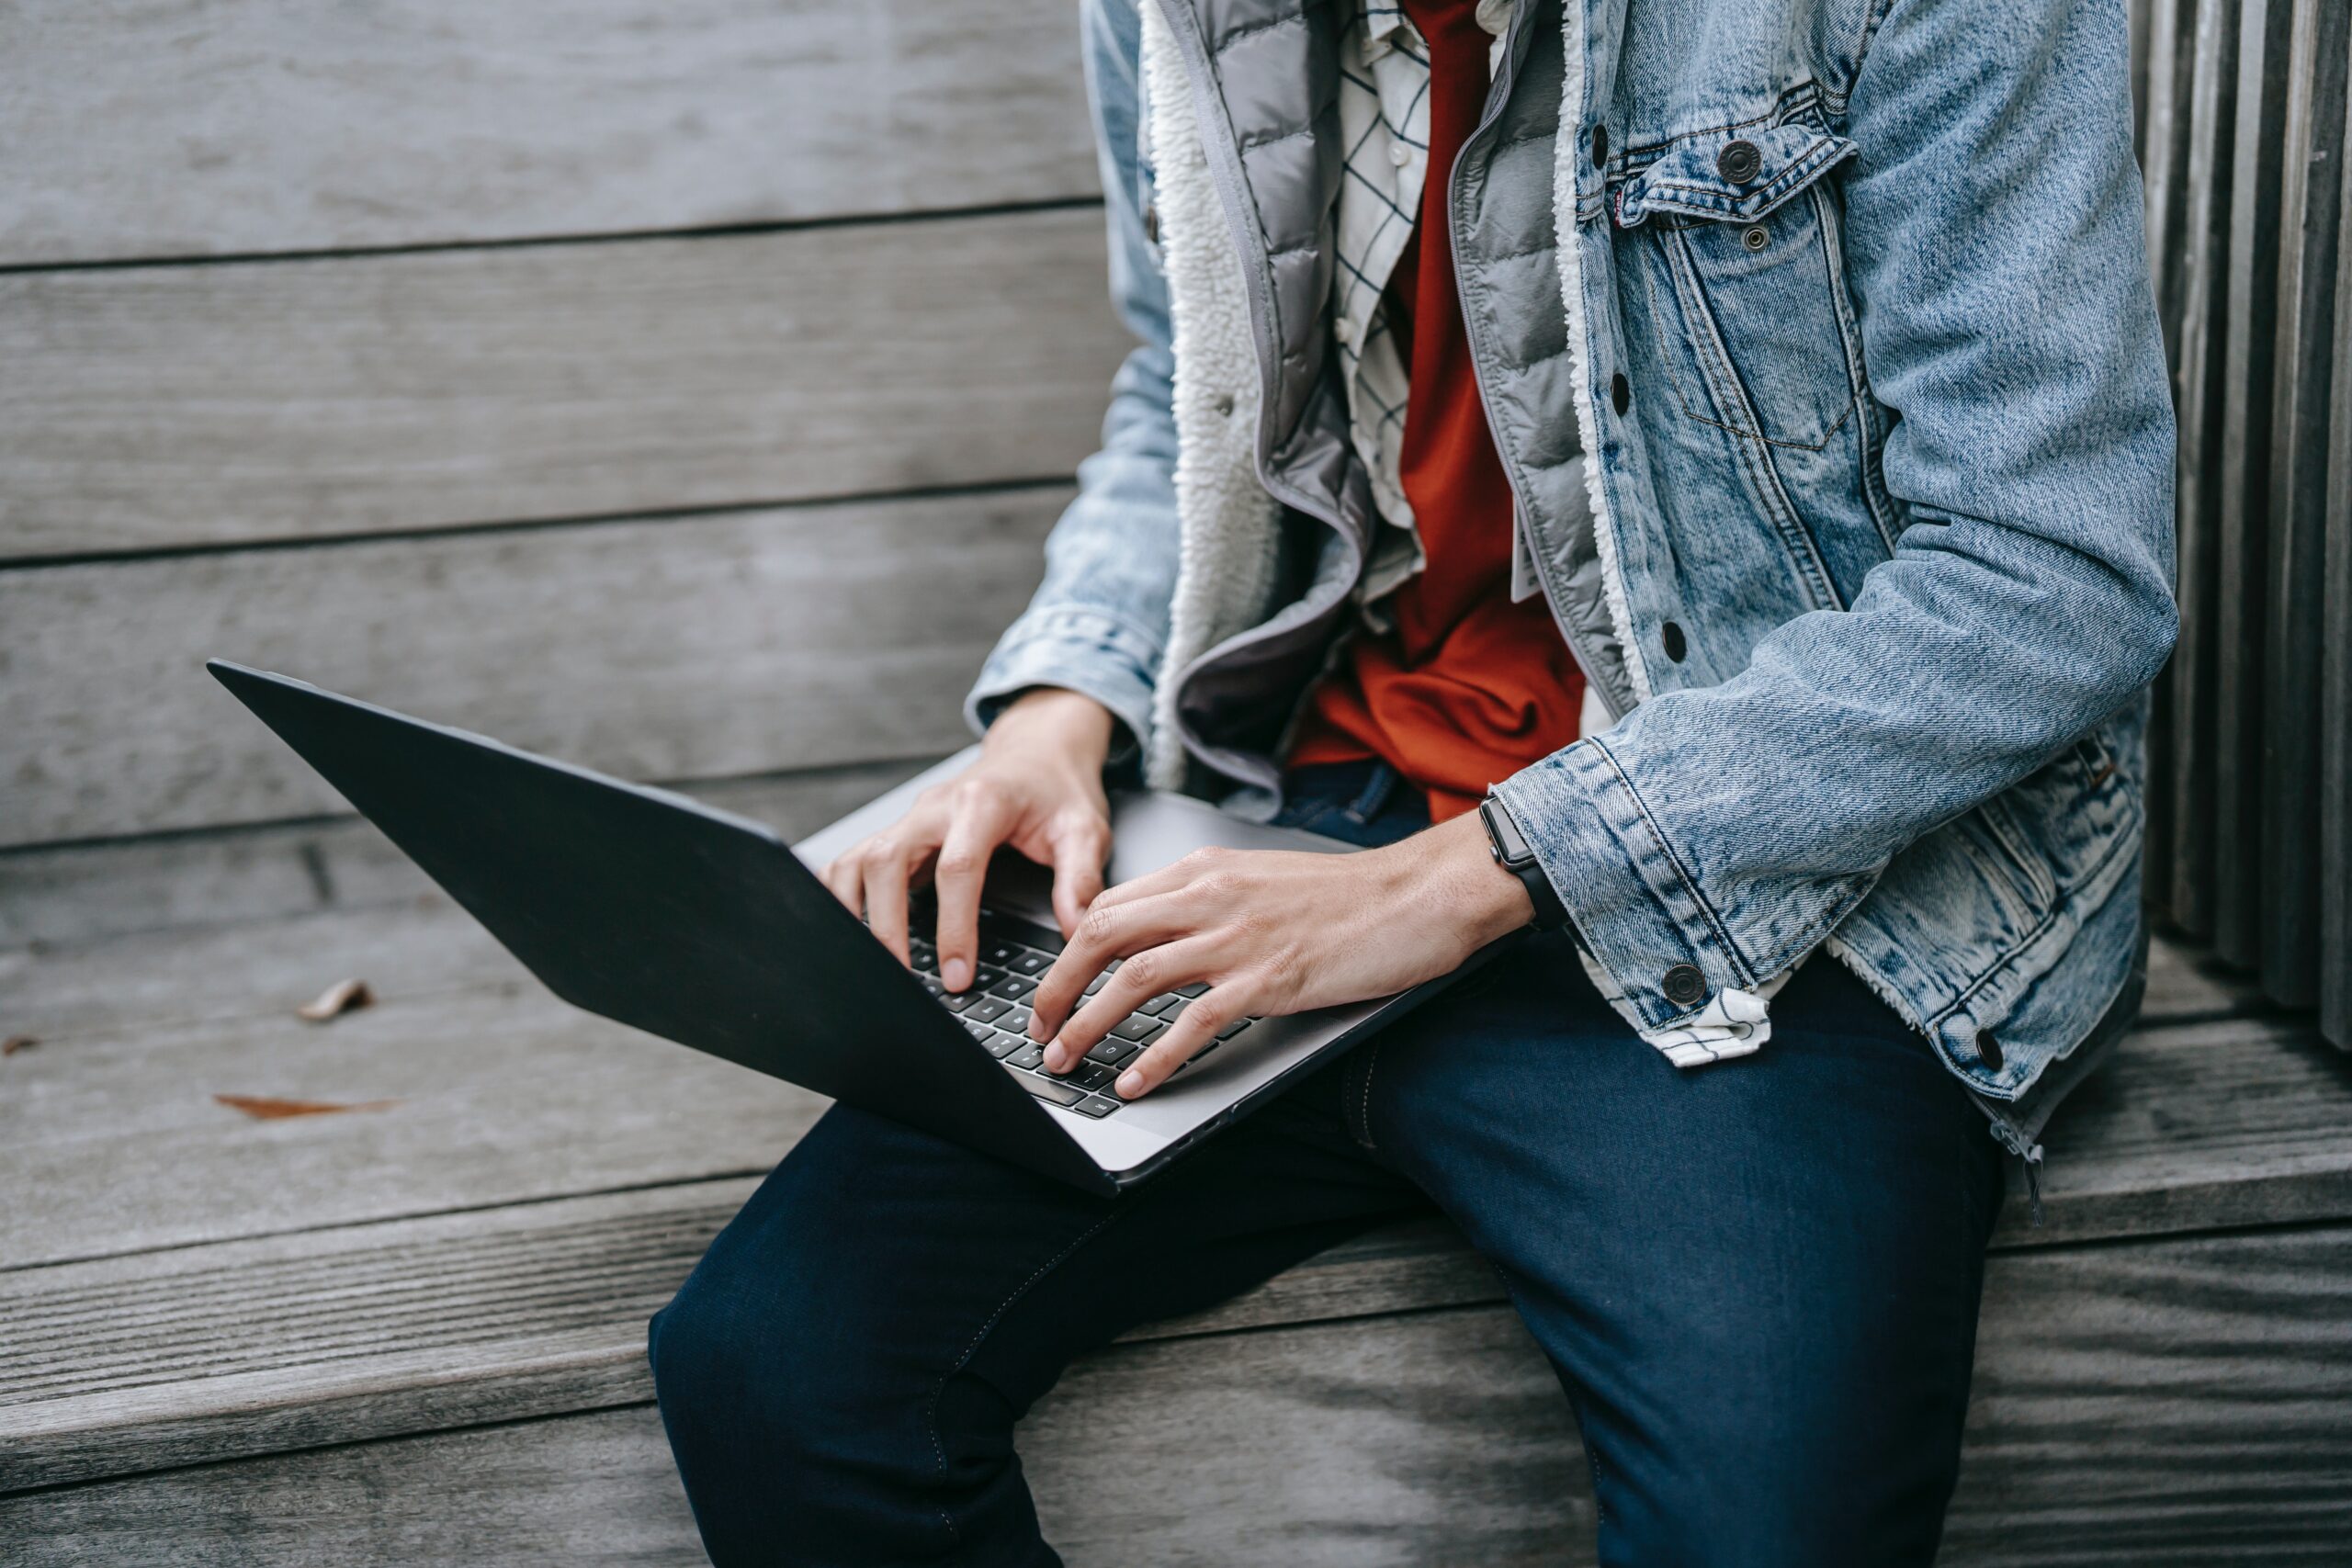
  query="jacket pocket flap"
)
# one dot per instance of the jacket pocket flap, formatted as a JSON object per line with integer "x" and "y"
{"x": 1694, "y": 179}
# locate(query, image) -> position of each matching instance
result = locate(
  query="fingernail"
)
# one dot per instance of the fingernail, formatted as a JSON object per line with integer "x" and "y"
{"x": 1130, "y": 1083}
{"x": 955, "y": 974}
{"x": 1056, "y": 1058}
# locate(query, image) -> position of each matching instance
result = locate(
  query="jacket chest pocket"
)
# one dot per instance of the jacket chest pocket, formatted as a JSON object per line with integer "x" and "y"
{"x": 1748, "y": 235}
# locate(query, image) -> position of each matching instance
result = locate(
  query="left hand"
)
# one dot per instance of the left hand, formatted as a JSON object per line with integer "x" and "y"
{"x": 1272, "y": 931}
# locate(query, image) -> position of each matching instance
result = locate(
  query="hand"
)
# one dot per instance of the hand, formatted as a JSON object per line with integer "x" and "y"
{"x": 1037, "y": 787}
{"x": 1272, "y": 932}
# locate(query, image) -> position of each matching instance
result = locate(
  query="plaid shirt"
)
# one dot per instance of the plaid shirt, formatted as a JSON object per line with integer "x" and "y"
{"x": 1384, "y": 123}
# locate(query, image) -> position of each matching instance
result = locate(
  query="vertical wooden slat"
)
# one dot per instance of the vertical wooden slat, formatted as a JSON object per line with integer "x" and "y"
{"x": 2163, "y": 138}
{"x": 2336, "y": 648}
{"x": 2244, "y": 457}
{"x": 2164, "y": 156}
{"x": 2293, "y": 655}
{"x": 2197, "y": 393}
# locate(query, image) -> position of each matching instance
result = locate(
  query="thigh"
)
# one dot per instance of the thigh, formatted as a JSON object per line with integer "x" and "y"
{"x": 854, "y": 1350}
{"x": 1758, "y": 1279}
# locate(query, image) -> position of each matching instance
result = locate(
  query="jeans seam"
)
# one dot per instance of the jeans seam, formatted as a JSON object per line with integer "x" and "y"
{"x": 938, "y": 1443}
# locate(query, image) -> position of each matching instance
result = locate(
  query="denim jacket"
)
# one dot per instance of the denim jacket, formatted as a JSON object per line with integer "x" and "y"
{"x": 1817, "y": 341}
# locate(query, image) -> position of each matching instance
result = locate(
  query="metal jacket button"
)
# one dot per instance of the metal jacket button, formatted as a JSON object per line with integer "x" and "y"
{"x": 1670, "y": 635}
{"x": 1684, "y": 984}
{"x": 1988, "y": 1050}
{"x": 1739, "y": 162}
{"x": 1599, "y": 146}
{"x": 1755, "y": 237}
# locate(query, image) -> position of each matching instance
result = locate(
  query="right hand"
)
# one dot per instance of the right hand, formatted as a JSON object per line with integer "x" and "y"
{"x": 1037, "y": 787}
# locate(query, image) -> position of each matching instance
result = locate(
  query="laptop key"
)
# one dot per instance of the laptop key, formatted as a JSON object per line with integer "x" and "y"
{"x": 998, "y": 952}
{"x": 1113, "y": 1053}
{"x": 1050, "y": 1089}
{"x": 1030, "y": 961}
{"x": 1198, "y": 987}
{"x": 1236, "y": 1027}
{"x": 1094, "y": 1105}
{"x": 1091, "y": 1074}
{"x": 957, "y": 1001}
{"x": 1013, "y": 988}
{"x": 1002, "y": 1045}
{"x": 1157, "y": 1006}
{"x": 1031, "y": 1055}
{"x": 988, "y": 1008}
{"x": 1141, "y": 1028}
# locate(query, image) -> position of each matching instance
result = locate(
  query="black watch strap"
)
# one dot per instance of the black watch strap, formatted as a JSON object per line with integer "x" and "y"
{"x": 1509, "y": 849}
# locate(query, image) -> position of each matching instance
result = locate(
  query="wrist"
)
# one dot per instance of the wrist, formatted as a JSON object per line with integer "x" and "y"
{"x": 1071, "y": 725}
{"x": 1484, "y": 901}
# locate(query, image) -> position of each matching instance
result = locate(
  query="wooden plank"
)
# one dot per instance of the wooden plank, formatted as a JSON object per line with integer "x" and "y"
{"x": 2300, "y": 481}
{"x": 384, "y": 1296}
{"x": 486, "y": 1098}
{"x": 83, "y": 895}
{"x": 2175, "y": 1403}
{"x": 2200, "y": 1124}
{"x": 2335, "y": 678}
{"x": 690, "y": 648}
{"x": 2197, "y": 393}
{"x": 2164, "y": 157}
{"x": 2250, "y": 339}
{"x": 175, "y": 406}
{"x": 245, "y": 126}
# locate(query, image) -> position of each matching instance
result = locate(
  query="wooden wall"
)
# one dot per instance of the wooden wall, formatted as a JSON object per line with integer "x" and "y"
{"x": 682, "y": 387}
{"x": 2243, "y": 138}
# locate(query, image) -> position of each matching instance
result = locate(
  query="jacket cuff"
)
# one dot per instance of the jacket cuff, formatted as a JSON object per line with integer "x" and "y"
{"x": 1637, "y": 913}
{"x": 1084, "y": 650}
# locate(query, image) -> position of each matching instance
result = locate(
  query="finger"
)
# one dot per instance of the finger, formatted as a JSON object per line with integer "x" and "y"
{"x": 1200, "y": 1022}
{"x": 844, "y": 877}
{"x": 977, "y": 823}
{"x": 1153, "y": 972}
{"x": 1079, "y": 850}
{"x": 887, "y": 869}
{"x": 1109, "y": 931}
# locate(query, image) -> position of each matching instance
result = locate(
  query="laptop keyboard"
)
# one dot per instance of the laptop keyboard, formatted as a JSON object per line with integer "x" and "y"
{"x": 1015, "y": 955}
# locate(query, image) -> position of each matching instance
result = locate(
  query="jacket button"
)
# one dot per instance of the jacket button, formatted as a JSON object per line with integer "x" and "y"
{"x": 1739, "y": 162}
{"x": 1621, "y": 392}
{"x": 1151, "y": 223}
{"x": 1684, "y": 984}
{"x": 1670, "y": 635}
{"x": 1988, "y": 1049}
{"x": 1225, "y": 403}
{"x": 1599, "y": 146}
{"x": 1755, "y": 237}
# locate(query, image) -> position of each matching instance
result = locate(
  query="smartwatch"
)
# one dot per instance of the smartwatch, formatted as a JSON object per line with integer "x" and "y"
{"x": 1508, "y": 846}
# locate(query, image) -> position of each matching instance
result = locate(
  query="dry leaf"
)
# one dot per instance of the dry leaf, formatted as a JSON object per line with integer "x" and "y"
{"x": 262, "y": 1108}
{"x": 15, "y": 1043}
{"x": 342, "y": 996}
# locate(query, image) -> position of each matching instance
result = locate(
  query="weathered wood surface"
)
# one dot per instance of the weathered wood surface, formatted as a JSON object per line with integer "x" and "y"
{"x": 2242, "y": 459}
{"x": 497, "y": 1096}
{"x": 2199, "y": 397}
{"x": 171, "y": 406}
{"x": 216, "y": 127}
{"x": 2335, "y": 675}
{"x": 57, "y": 895}
{"x": 233, "y": 1299}
{"x": 2300, "y": 483}
{"x": 740, "y": 644}
{"x": 2177, "y": 1403}
{"x": 2201, "y": 1122}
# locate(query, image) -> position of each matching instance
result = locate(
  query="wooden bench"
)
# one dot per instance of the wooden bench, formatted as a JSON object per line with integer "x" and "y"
{"x": 634, "y": 402}
{"x": 396, "y": 1335}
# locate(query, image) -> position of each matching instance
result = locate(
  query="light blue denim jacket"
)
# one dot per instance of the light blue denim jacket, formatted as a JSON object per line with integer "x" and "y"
{"x": 1881, "y": 445}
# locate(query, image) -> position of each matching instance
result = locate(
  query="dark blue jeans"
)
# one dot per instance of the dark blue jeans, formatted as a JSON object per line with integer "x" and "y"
{"x": 1757, "y": 1280}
